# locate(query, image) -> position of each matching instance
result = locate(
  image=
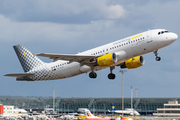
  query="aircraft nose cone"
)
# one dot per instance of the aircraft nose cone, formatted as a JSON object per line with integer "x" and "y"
{"x": 175, "y": 36}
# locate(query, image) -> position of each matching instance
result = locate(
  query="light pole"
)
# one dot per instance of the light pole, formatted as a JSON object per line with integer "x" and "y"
{"x": 54, "y": 98}
{"x": 136, "y": 93}
{"x": 122, "y": 71}
{"x": 93, "y": 109}
{"x": 131, "y": 97}
{"x": 104, "y": 109}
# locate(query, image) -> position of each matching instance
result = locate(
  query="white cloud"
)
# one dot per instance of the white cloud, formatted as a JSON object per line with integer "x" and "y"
{"x": 115, "y": 12}
{"x": 61, "y": 11}
{"x": 47, "y": 31}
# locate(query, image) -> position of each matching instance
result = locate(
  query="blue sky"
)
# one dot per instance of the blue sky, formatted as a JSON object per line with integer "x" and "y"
{"x": 69, "y": 27}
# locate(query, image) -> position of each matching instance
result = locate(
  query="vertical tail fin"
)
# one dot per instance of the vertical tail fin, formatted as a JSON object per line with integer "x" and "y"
{"x": 27, "y": 59}
{"x": 113, "y": 107}
{"x": 89, "y": 114}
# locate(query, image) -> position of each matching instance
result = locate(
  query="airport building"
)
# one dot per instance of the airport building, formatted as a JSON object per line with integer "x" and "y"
{"x": 170, "y": 109}
{"x": 145, "y": 106}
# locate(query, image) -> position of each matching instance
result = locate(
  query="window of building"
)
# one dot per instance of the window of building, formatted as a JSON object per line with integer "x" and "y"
{"x": 167, "y": 111}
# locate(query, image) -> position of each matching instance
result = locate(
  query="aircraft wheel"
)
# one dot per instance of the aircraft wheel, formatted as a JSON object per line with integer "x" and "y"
{"x": 158, "y": 58}
{"x": 111, "y": 76}
{"x": 92, "y": 75}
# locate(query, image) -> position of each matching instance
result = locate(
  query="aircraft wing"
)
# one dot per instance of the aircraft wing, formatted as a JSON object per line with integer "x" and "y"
{"x": 20, "y": 75}
{"x": 68, "y": 57}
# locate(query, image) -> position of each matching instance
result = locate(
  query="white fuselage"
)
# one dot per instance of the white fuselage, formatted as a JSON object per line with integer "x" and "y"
{"x": 135, "y": 45}
{"x": 126, "y": 112}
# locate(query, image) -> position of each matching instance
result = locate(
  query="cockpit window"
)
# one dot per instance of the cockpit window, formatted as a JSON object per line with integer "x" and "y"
{"x": 163, "y": 32}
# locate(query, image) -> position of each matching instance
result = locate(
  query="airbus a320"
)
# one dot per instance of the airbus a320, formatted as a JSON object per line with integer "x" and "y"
{"x": 125, "y": 53}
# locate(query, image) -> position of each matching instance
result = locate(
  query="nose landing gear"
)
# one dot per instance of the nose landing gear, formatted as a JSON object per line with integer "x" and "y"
{"x": 157, "y": 57}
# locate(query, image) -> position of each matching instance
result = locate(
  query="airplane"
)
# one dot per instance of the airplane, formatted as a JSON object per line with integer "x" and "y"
{"x": 127, "y": 111}
{"x": 125, "y": 53}
{"x": 90, "y": 116}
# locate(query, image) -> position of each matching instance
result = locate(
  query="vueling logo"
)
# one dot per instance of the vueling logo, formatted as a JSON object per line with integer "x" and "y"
{"x": 136, "y": 36}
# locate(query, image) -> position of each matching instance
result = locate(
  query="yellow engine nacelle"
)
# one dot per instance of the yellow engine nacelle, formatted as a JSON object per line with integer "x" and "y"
{"x": 134, "y": 62}
{"x": 106, "y": 60}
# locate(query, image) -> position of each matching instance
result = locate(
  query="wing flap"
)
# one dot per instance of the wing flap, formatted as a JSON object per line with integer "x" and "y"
{"x": 68, "y": 57}
{"x": 20, "y": 75}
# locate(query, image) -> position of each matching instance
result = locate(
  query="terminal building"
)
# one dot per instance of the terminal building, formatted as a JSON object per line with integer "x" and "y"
{"x": 171, "y": 109}
{"x": 145, "y": 106}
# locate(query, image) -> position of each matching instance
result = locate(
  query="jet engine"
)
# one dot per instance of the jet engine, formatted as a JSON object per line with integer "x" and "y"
{"x": 134, "y": 62}
{"x": 111, "y": 58}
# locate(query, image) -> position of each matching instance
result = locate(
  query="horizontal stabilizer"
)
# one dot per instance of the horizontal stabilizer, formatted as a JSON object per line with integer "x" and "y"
{"x": 20, "y": 75}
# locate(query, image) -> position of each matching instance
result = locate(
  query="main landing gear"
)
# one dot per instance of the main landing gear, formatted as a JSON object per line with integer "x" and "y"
{"x": 111, "y": 75}
{"x": 92, "y": 74}
{"x": 157, "y": 57}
